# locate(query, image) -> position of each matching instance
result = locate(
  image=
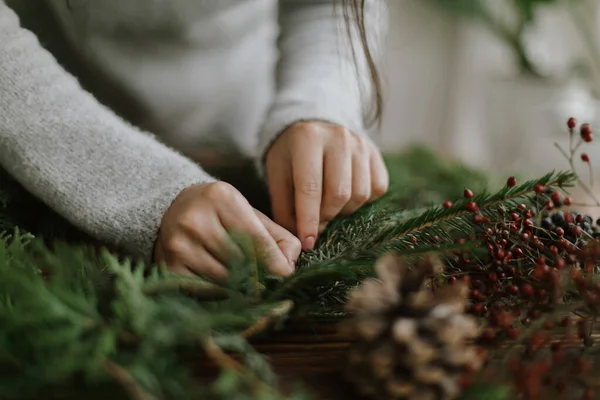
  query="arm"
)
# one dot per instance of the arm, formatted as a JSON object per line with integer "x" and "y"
{"x": 103, "y": 175}
{"x": 318, "y": 78}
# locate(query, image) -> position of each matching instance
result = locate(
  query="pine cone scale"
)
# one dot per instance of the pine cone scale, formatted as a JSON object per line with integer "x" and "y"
{"x": 411, "y": 343}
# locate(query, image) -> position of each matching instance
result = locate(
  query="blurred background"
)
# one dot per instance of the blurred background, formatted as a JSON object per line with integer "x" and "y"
{"x": 492, "y": 82}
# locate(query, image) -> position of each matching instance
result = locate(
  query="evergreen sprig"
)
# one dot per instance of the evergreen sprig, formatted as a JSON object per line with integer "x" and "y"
{"x": 71, "y": 314}
{"x": 74, "y": 318}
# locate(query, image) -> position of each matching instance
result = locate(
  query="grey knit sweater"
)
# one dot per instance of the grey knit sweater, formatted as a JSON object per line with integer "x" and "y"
{"x": 201, "y": 73}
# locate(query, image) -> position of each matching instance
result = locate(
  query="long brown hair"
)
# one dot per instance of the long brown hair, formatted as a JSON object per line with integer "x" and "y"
{"x": 354, "y": 16}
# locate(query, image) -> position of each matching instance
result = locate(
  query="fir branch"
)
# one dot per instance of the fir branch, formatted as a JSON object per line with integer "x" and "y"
{"x": 352, "y": 271}
{"x": 326, "y": 272}
{"x": 437, "y": 215}
{"x": 193, "y": 285}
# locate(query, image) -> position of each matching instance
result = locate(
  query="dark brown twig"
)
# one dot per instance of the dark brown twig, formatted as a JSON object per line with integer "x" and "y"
{"x": 127, "y": 382}
{"x": 284, "y": 308}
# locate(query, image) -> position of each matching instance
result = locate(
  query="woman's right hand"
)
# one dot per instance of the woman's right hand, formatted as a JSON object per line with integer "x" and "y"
{"x": 195, "y": 233}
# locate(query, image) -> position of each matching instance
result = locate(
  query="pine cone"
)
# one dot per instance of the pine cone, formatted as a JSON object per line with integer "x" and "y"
{"x": 410, "y": 340}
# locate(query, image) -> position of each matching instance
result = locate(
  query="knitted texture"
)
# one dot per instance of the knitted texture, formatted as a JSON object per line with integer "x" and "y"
{"x": 205, "y": 73}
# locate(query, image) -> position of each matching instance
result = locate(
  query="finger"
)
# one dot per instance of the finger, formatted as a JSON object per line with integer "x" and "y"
{"x": 181, "y": 270}
{"x": 290, "y": 245}
{"x": 206, "y": 265}
{"x": 281, "y": 192}
{"x": 180, "y": 252}
{"x": 243, "y": 219}
{"x": 361, "y": 183}
{"x": 337, "y": 182}
{"x": 217, "y": 241}
{"x": 307, "y": 171}
{"x": 172, "y": 264}
{"x": 380, "y": 179}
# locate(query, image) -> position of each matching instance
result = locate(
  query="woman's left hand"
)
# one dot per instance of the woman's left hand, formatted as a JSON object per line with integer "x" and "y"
{"x": 316, "y": 171}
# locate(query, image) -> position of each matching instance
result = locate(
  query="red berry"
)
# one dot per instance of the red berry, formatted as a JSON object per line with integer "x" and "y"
{"x": 585, "y": 157}
{"x": 560, "y": 232}
{"x": 478, "y": 308}
{"x": 571, "y": 123}
{"x": 518, "y": 252}
{"x": 567, "y": 201}
{"x": 512, "y": 289}
{"x": 471, "y": 206}
{"x": 468, "y": 193}
{"x": 539, "y": 188}
{"x": 549, "y": 205}
{"x": 586, "y": 132}
{"x": 514, "y": 216}
{"x": 556, "y": 197}
{"x": 577, "y": 231}
{"x": 447, "y": 204}
{"x": 526, "y": 290}
{"x": 513, "y": 333}
{"x": 512, "y": 181}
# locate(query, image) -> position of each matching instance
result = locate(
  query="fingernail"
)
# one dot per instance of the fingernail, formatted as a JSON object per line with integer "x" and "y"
{"x": 308, "y": 243}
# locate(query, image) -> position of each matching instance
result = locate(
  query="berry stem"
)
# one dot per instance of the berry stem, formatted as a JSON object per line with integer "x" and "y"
{"x": 574, "y": 170}
{"x": 591, "y": 176}
{"x": 570, "y": 141}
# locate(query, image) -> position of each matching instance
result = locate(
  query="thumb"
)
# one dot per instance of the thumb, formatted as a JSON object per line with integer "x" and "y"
{"x": 289, "y": 244}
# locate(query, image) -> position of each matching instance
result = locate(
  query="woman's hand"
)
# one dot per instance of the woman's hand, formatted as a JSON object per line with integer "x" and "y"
{"x": 316, "y": 171}
{"x": 195, "y": 233}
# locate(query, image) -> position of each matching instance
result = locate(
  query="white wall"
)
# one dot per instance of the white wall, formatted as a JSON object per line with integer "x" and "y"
{"x": 418, "y": 74}
{"x": 451, "y": 84}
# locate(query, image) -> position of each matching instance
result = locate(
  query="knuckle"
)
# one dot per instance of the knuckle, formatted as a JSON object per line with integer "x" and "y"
{"x": 342, "y": 136}
{"x": 380, "y": 189}
{"x": 293, "y": 242}
{"x": 220, "y": 190}
{"x": 309, "y": 133}
{"x": 339, "y": 196}
{"x": 302, "y": 126}
{"x": 310, "y": 187}
{"x": 362, "y": 143}
{"x": 188, "y": 221}
{"x": 361, "y": 197}
{"x": 339, "y": 130}
{"x": 292, "y": 245}
{"x": 175, "y": 244}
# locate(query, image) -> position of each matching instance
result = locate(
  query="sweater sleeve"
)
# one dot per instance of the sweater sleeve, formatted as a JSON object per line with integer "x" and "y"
{"x": 318, "y": 77}
{"x": 103, "y": 175}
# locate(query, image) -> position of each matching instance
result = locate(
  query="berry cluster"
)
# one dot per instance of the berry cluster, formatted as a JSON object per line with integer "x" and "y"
{"x": 535, "y": 282}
